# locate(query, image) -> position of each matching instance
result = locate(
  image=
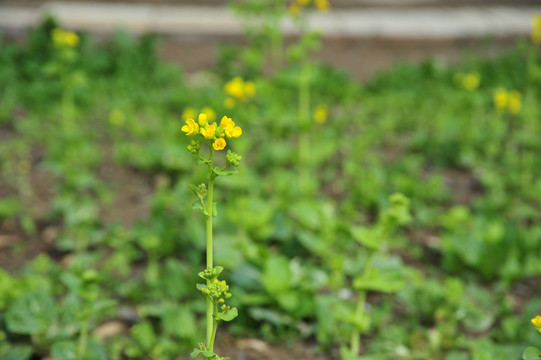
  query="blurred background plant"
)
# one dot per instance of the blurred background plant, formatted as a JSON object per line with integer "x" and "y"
{"x": 95, "y": 177}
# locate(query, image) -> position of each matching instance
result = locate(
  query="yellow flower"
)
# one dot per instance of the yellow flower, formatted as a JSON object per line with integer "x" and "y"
{"x": 229, "y": 128}
{"x": 202, "y": 120}
{"x": 219, "y": 144}
{"x": 323, "y": 5}
{"x": 536, "y": 29}
{"x": 537, "y": 321}
{"x": 191, "y": 127}
{"x": 208, "y": 132}
{"x": 239, "y": 89}
{"x": 229, "y": 103}
{"x": 249, "y": 89}
{"x": 304, "y": 2}
{"x": 294, "y": 9}
{"x": 63, "y": 38}
{"x": 321, "y": 113}
{"x": 211, "y": 114}
{"x": 501, "y": 99}
{"x": 235, "y": 88}
{"x": 189, "y": 113}
{"x": 514, "y": 102}
{"x": 471, "y": 81}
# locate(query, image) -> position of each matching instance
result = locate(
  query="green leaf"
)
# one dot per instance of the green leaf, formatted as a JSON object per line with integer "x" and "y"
{"x": 32, "y": 313}
{"x": 198, "y": 206}
{"x": 64, "y": 350}
{"x": 207, "y": 354}
{"x": 276, "y": 275}
{"x": 371, "y": 238}
{"x": 230, "y": 314}
{"x": 384, "y": 282}
{"x": 226, "y": 172}
{"x": 17, "y": 352}
{"x": 200, "y": 286}
{"x": 531, "y": 353}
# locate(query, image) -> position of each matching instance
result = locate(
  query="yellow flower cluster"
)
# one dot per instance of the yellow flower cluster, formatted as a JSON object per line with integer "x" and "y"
{"x": 213, "y": 132}
{"x": 469, "y": 81}
{"x": 321, "y": 113}
{"x": 64, "y": 39}
{"x": 296, "y": 6}
{"x": 536, "y": 321}
{"x": 238, "y": 89}
{"x": 536, "y": 30}
{"x": 507, "y": 101}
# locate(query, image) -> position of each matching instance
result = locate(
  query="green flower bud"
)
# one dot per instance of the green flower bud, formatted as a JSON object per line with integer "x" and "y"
{"x": 194, "y": 147}
{"x": 232, "y": 159}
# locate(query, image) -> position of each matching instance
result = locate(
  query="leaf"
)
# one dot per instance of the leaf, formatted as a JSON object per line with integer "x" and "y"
{"x": 214, "y": 210}
{"x": 387, "y": 282}
{"x": 64, "y": 350}
{"x": 69, "y": 350}
{"x": 371, "y": 238}
{"x": 276, "y": 275}
{"x": 230, "y": 314}
{"x": 226, "y": 172}
{"x": 32, "y": 313}
{"x": 207, "y": 354}
{"x": 531, "y": 353}
{"x": 198, "y": 206}
{"x": 200, "y": 286}
{"x": 17, "y": 352}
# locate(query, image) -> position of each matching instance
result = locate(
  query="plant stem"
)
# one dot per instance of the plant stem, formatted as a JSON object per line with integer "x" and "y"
{"x": 209, "y": 208}
{"x": 304, "y": 122}
{"x": 83, "y": 338}
{"x": 214, "y": 329}
{"x": 359, "y": 311}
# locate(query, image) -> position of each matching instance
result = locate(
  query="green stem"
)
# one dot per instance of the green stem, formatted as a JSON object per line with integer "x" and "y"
{"x": 304, "y": 122}
{"x": 209, "y": 208}
{"x": 83, "y": 339}
{"x": 359, "y": 311}
{"x": 214, "y": 329}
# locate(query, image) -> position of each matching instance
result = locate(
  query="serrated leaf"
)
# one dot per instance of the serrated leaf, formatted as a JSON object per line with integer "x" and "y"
{"x": 230, "y": 314}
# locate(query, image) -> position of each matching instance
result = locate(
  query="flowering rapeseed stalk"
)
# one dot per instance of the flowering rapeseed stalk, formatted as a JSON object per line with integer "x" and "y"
{"x": 507, "y": 101}
{"x": 321, "y": 113}
{"x": 215, "y": 291}
{"x": 297, "y": 6}
{"x": 469, "y": 81}
{"x": 536, "y": 30}
{"x": 64, "y": 39}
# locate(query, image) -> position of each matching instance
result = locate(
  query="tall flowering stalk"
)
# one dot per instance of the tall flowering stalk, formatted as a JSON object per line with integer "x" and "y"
{"x": 216, "y": 291}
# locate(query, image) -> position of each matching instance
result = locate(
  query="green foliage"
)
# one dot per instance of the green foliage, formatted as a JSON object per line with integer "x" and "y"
{"x": 93, "y": 161}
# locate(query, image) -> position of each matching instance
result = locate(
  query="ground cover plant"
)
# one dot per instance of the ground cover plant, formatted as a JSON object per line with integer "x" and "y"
{"x": 392, "y": 219}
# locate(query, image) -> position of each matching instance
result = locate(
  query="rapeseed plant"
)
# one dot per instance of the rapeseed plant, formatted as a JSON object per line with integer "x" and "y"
{"x": 215, "y": 291}
{"x": 507, "y": 101}
{"x": 238, "y": 90}
{"x": 469, "y": 81}
{"x": 535, "y": 35}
